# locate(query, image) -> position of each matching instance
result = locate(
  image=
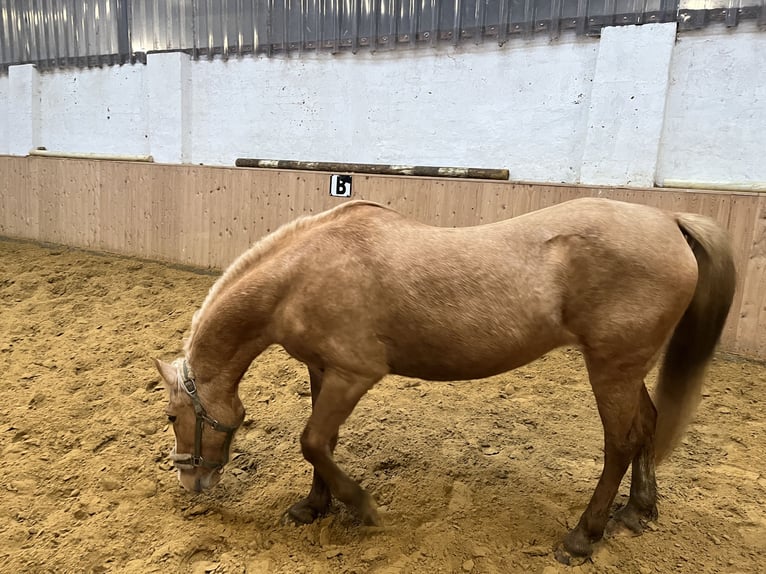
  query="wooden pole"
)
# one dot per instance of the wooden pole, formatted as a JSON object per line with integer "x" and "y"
{"x": 377, "y": 169}
{"x": 89, "y": 156}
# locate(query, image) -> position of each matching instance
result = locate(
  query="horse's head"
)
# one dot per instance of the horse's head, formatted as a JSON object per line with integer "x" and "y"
{"x": 202, "y": 442}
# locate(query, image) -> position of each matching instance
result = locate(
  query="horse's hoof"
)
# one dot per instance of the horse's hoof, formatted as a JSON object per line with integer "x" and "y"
{"x": 368, "y": 512}
{"x": 567, "y": 558}
{"x": 300, "y": 513}
{"x": 370, "y": 517}
{"x": 575, "y": 549}
{"x": 366, "y": 509}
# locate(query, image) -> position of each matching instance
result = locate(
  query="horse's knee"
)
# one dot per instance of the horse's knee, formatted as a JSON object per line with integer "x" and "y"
{"x": 313, "y": 446}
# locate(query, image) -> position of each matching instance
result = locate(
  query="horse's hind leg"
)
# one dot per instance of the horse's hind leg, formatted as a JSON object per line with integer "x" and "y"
{"x": 318, "y": 500}
{"x": 338, "y": 396}
{"x": 617, "y": 397}
{"x": 642, "y": 504}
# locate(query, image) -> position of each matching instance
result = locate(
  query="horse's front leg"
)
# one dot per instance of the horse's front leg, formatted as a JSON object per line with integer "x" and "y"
{"x": 318, "y": 500}
{"x": 340, "y": 392}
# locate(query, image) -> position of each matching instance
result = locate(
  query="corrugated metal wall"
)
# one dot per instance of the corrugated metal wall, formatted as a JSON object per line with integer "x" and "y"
{"x": 61, "y": 33}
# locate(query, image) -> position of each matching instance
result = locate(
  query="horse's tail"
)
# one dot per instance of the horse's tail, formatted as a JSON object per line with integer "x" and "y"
{"x": 679, "y": 384}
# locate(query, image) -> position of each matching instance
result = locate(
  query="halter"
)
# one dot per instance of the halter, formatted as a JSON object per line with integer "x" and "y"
{"x": 188, "y": 384}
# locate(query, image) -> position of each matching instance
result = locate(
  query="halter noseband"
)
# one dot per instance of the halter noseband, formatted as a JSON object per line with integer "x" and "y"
{"x": 188, "y": 384}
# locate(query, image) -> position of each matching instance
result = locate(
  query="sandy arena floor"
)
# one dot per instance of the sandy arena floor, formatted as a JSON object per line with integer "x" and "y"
{"x": 471, "y": 477}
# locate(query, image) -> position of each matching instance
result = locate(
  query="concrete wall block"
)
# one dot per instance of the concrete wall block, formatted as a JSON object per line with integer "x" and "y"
{"x": 169, "y": 96}
{"x": 4, "y": 111}
{"x": 94, "y": 110}
{"x": 715, "y": 121}
{"x": 23, "y": 111}
{"x": 627, "y": 105}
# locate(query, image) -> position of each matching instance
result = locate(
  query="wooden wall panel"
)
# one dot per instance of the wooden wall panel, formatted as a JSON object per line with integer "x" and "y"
{"x": 118, "y": 186}
{"x": 393, "y": 195}
{"x": 207, "y": 216}
{"x": 750, "y": 336}
{"x": 67, "y": 202}
{"x": 14, "y": 190}
{"x": 19, "y": 202}
{"x": 44, "y": 178}
{"x": 161, "y": 220}
{"x": 741, "y": 226}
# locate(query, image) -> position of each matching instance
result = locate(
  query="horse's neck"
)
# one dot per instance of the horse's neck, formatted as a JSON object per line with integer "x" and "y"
{"x": 221, "y": 350}
{"x": 231, "y": 329}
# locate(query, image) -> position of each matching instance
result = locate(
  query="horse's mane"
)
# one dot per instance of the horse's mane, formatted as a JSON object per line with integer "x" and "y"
{"x": 258, "y": 251}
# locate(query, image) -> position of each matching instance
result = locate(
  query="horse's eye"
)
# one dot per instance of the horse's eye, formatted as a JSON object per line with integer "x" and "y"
{"x": 172, "y": 418}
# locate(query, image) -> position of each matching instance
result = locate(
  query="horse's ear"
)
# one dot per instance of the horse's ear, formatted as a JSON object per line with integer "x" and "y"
{"x": 167, "y": 372}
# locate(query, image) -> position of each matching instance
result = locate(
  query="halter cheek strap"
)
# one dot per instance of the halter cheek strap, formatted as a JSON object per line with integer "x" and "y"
{"x": 195, "y": 460}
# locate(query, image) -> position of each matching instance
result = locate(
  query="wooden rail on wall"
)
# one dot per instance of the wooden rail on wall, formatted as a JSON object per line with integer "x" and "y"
{"x": 206, "y": 216}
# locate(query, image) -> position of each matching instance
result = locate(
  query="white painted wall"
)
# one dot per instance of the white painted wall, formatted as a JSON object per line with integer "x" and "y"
{"x": 23, "y": 108}
{"x": 715, "y": 120}
{"x": 627, "y": 105}
{"x": 523, "y": 108}
{"x": 632, "y": 108}
{"x": 4, "y": 87}
{"x": 96, "y": 110}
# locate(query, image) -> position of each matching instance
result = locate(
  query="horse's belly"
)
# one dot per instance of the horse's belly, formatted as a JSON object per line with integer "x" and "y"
{"x": 437, "y": 361}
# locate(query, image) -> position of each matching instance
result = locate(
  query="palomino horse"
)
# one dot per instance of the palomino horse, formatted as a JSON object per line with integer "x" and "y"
{"x": 360, "y": 291}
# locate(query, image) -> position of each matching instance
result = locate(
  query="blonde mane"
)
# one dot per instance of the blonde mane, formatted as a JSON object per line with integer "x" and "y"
{"x": 260, "y": 249}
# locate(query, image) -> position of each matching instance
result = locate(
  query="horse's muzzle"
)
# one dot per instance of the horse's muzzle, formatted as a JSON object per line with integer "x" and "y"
{"x": 198, "y": 480}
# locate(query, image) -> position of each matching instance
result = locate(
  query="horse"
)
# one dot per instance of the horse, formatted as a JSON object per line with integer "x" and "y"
{"x": 360, "y": 291}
